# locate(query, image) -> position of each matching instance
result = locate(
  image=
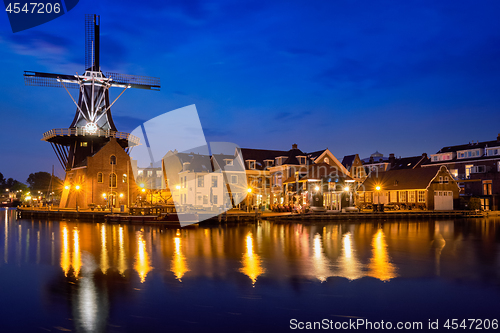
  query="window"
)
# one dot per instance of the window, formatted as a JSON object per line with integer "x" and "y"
{"x": 498, "y": 166}
{"x": 368, "y": 197}
{"x": 205, "y": 199}
{"x": 269, "y": 163}
{"x": 487, "y": 187}
{"x": 393, "y": 196}
{"x": 140, "y": 172}
{"x": 228, "y": 162}
{"x": 468, "y": 169}
{"x": 251, "y": 165}
{"x": 411, "y": 196}
{"x": 214, "y": 181}
{"x": 302, "y": 160}
{"x": 201, "y": 181}
{"x": 446, "y": 180}
{"x": 112, "y": 160}
{"x": 99, "y": 177}
{"x": 454, "y": 173}
{"x": 158, "y": 173}
{"x": 326, "y": 160}
{"x": 215, "y": 200}
{"x": 402, "y": 196}
{"x": 124, "y": 178}
{"x": 83, "y": 144}
{"x": 150, "y": 173}
{"x": 421, "y": 196}
{"x": 440, "y": 179}
{"x": 234, "y": 179}
{"x": 112, "y": 180}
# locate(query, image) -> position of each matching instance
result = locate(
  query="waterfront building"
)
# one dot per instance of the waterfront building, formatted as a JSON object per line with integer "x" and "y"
{"x": 476, "y": 168}
{"x": 430, "y": 188}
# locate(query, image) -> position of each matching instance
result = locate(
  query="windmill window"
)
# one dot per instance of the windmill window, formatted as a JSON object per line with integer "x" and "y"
{"x": 99, "y": 177}
{"x": 112, "y": 160}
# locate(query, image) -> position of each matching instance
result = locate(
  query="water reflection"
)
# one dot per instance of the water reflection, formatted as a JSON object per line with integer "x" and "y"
{"x": 142, "y": 262}
{"x": 96, "y": 265}
{"x": 252, "y": 264}
{"x": 179, "y": 265}
{"x": 380, "y": 266}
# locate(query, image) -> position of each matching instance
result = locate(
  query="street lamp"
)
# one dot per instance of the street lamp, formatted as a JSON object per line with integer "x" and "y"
{"x": 249, "y": 190}
{"x": 77, "y": 188}
{"x": 348, "y": 189}
{"x": 378, "y": 196}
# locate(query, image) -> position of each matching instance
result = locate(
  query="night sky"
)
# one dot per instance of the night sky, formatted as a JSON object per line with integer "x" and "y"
{"x": 403, "y": 77}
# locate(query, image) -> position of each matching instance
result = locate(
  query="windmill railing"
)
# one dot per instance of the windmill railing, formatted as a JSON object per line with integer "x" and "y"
{"x": 80, "y": 131}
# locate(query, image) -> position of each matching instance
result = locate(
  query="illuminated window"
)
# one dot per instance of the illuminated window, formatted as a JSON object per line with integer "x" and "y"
{"x": 402, "y": 196}
{"x": 124, "y": 178}
{"x": 99, "y": 177}
{"x": 393, "y": 196}
{"x": 158, "y": 173}
{"x": 140, "y": 172}
{"x": 421, "y": 196}
{"x": 326, "y": 160}
{"x": 112, "y": 160}
{"x": 112, "y": 180}
{"x": 468, "y": 169}
{"x": 83, "y": 144}
{"x": 487, "y": 187}
{"x": 411, "y": 196}
{"x": 150, "y": 173}
{"x": 454, "y": 173}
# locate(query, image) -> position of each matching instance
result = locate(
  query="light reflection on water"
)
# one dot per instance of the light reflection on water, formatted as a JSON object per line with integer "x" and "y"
{"x": 99, "y": 263}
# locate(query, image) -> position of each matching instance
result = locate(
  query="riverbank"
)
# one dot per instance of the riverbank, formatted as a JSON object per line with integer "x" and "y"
{"x": 238, "y": 216}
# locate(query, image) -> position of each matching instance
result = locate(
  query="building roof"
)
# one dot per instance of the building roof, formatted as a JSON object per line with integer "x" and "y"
{"x": 470, "y": 145}
{"x": 315, "y": 154}
{"x": 260, "y": 155}
{"x": 409, "y": 162}
{"x": 404, "y": 179}
{"x": 317, "y": 172}
{"x": 347, "y": 161}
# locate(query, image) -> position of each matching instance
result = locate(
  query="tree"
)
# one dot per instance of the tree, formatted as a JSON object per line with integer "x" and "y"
{"x": 2, "y": 180}
{"x": 41, "y": 181}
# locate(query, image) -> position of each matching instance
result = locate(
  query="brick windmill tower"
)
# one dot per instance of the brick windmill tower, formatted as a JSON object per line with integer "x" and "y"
{"x": 91, "y": 151}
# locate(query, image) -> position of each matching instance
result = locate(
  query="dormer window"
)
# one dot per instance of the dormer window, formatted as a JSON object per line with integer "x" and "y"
{"x": 251, "y": 165}
{"x": 301, "y": 159}
{"x": 279, "y": 160}
{"x": 228, "y": 161}
{"x": 269, "y": 163}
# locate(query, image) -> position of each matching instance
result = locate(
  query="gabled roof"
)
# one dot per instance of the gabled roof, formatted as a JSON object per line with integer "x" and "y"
{"x": 409, "y": 162}
{"x": 347, "y": 161}
{"x": 405, "y": 179}
{"x": 315, "y": 154}
{"x": 260, "y": 155}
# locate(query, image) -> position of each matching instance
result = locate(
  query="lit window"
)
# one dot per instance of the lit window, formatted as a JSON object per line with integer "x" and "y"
{"x": 150, "y": 173}
{"x": 402, "y": 196}
{"x": 421, "y": 196}
{"x": 112, "y": 180}
{"x": 140, "y": 172}
{"x": 83, "y": 144}
{"x": 158, "y": 173}
{"x": 124, "y": 178}
{"x": 411, "y": 196}
{"x": 454, "y": 173}
{"x": 326, "y": 160}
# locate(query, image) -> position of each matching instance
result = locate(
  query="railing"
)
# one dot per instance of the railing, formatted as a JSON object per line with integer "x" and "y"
{"x": 80, "y": 131}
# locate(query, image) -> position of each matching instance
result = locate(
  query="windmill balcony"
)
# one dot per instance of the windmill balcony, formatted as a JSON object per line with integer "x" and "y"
{"x": 80, "y": 131}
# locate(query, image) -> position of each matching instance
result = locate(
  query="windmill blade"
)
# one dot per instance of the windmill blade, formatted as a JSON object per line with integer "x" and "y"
{"x": 134, "y": 81}
{"x": 50, "y": 80}
{"x": 92, "y": 27}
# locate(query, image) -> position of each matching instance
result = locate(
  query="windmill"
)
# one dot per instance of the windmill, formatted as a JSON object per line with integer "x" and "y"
{"x": 93, "y": 125}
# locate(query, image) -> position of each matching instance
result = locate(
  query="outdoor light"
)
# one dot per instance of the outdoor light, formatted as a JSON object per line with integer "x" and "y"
{"x": 104, "y": 195}
{"x": 66, "y": 187}
{"x": 77, "y": 187}
{"x": 316, "y": 188}
{"x": 143, "y": 190}
{"x": 142, "y": 185}
{"x": 249, "y": 190}
{"x": 346, "y": 188}
{"x": 377, "y": 188}
{"x": 178, "y": 187}
{"x": 121, "y": 195}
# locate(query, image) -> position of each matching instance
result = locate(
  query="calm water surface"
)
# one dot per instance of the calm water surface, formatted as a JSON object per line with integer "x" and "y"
{"x": 96, "y": 277}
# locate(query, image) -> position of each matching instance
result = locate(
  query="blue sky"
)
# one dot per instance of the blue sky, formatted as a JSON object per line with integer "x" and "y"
{"x": 403, "y": 77}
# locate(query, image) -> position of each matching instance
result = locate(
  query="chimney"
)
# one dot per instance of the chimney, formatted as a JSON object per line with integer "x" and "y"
{"x": 392, "y": 159}
{"x": 498, "y": 137}
{"x": 294, "y": 146}
{"x": 424, "y": 155}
